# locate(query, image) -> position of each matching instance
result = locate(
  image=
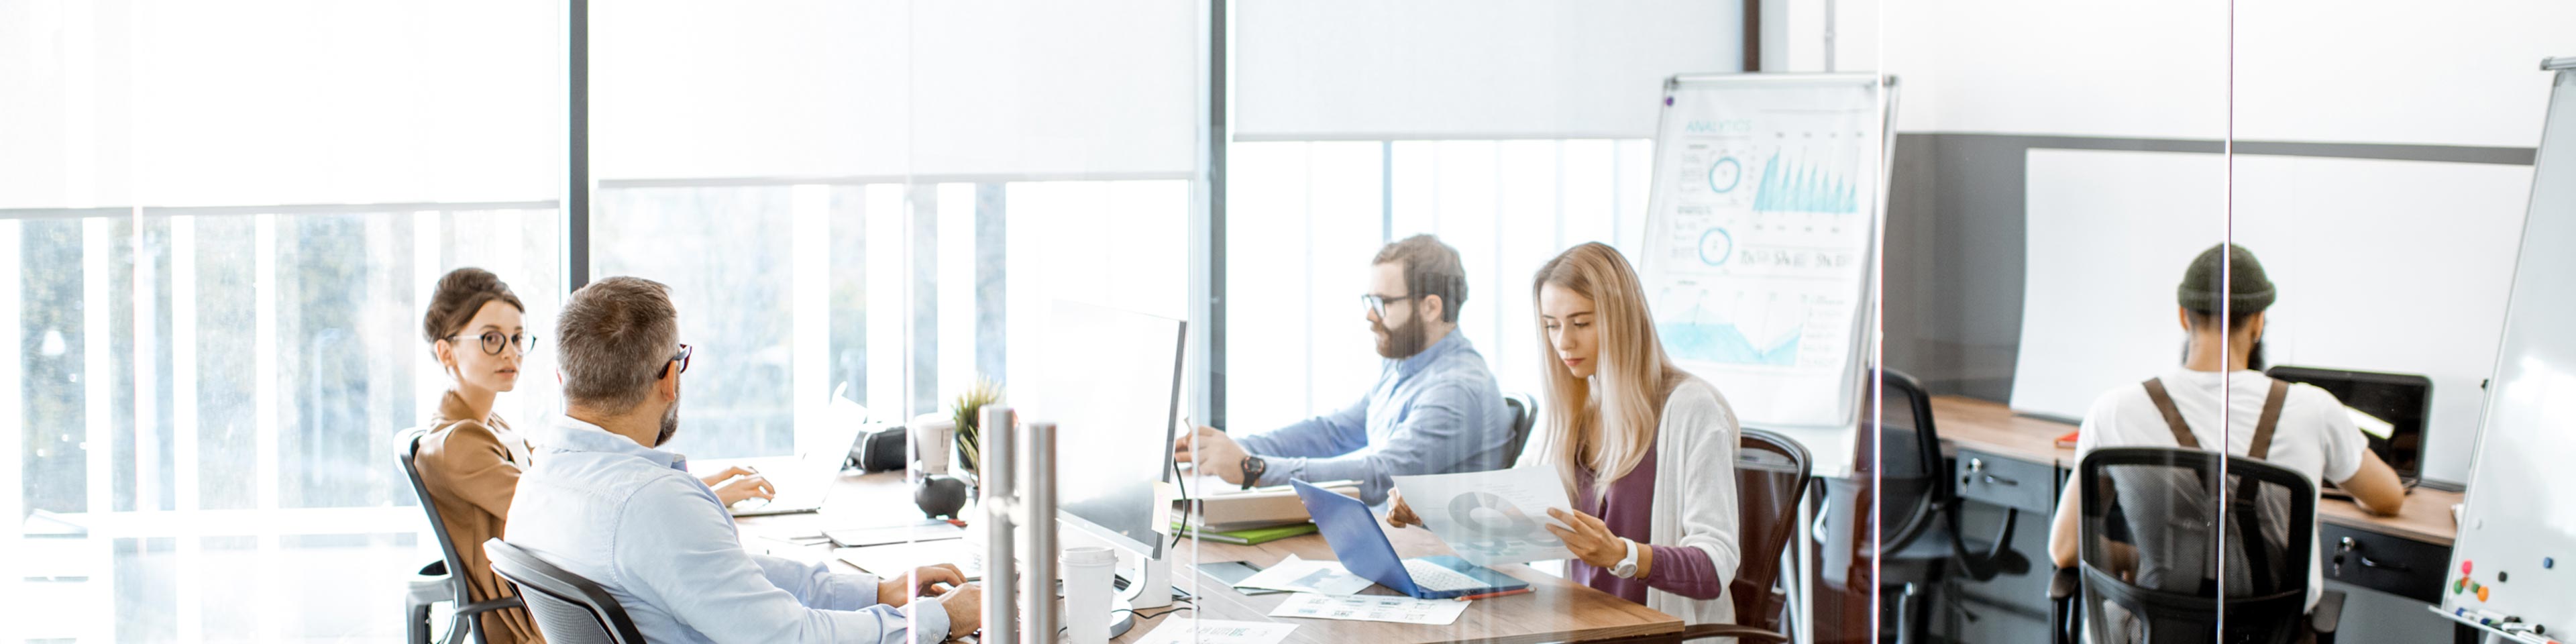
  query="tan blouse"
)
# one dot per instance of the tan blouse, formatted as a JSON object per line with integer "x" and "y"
{"x": 472, "y": 474}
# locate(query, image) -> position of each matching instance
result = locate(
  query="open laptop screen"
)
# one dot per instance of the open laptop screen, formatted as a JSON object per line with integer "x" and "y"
{"x": 2403, "y": 400}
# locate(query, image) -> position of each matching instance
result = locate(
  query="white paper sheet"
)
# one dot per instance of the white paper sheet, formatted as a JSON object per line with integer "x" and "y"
{"x": 1304, "y": 576}
{"x": 1491, "y": 518}
{"x": 1372, "y": 608}
{"x": 1183, "y": 630}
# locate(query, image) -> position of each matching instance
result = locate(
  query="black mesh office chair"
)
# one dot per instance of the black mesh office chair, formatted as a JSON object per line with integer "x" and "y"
{"x": 439, "y": 582}
{"x": 568, "y": 609}
{"x": 1920, "y": 538}
{"x": 1524, "y": 416}
{"x": 1771, "y": 475}
{"x": 2147, "y": 575}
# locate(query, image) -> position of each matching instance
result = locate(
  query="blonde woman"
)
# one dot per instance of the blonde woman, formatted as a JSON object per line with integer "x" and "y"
{"x": 1646, "y": 450}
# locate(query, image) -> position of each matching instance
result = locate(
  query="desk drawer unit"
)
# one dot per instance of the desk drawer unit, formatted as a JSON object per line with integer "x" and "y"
{"x": 2385, "y": 563}
{"x": 2008, "y": 482}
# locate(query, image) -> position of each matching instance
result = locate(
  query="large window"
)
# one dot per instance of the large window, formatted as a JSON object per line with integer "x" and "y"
{"x": 888, "y": 296}
{"x": 205, "y": 388}
{"x": 1307, "y": 217}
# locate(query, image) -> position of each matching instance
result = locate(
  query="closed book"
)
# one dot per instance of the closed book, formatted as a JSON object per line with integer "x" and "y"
{"x": 1230, "y": 506}
{"x": 1255, "y": 536}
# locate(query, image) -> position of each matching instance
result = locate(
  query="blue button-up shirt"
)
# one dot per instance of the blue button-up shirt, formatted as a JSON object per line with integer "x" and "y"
{"x": 1436, "y": 412}
{"x": 631, "y": 519}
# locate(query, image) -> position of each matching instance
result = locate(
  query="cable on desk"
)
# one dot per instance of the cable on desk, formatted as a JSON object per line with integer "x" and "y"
{"x": 1144, "y": 616}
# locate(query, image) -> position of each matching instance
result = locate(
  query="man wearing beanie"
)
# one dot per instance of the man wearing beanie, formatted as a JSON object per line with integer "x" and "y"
{"x": 2221, "y": 314}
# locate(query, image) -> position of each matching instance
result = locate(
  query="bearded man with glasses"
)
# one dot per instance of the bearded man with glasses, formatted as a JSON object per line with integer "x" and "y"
{"x": 1434, "y": 410}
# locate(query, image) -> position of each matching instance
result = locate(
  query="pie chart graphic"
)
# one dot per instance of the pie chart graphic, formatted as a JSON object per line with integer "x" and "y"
{"x": 1724, "y": 175}
{"x": 1715, "y": 246}
{"x": 1496, "y": 523}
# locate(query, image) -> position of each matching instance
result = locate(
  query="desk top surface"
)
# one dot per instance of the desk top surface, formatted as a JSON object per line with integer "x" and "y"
{"x": 1991, "y": 427}
{"x": 1557, "y": 610}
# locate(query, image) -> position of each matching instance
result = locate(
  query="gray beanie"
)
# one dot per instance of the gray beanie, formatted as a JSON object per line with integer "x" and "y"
{"x": 2247, "y": 289}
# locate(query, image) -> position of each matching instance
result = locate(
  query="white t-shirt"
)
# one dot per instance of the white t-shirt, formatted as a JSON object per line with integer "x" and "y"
{"x": 2315, "y": 436}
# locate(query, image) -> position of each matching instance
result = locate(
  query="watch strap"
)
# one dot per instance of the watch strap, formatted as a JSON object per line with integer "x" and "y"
{"x": 1253, "y": 468}
{"x": 1627, "y": 568}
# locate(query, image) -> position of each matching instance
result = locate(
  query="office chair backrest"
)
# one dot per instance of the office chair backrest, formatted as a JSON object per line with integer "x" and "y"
{"x": 406, "y": 446}
{"x": 1524, "y": 416}
{"x": 2150, "y": 516}
{"x": 1913, "y": 484}
{"x": 568, "y": 609}
{"x": 1771, "y": 483}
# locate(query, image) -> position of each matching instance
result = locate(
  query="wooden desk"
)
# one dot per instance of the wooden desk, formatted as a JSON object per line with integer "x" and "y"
{"x": 2407, "y": 551}
{"x": 1558, "y": 610}
{"x": 1993, "y": 428}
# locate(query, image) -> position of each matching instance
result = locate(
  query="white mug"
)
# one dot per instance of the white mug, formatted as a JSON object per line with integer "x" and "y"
{"x": 1087, "y": 588}
{"x": 933, "y": 436}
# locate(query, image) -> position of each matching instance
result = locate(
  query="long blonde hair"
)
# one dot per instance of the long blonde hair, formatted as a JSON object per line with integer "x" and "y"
{"x": 1608, "y": 430}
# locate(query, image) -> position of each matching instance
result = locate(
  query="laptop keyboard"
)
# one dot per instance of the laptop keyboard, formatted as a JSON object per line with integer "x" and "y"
{"x": 1438, "y": 578}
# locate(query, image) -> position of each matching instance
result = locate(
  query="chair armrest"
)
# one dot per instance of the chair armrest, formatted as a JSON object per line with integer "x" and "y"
{"x": 2065, "y": 623}
{"x": 481, "y": 607}
{"x": 1741, "y": 633}
{"x": 2327, "y": 616}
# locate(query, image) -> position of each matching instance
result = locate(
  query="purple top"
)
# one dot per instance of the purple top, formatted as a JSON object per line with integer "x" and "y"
{"x": 1629, "y": 511}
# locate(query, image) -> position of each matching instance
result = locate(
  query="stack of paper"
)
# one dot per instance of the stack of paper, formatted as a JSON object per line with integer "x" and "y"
{"x": 1372, "y": 608}
{"x": 1300, "y": 575}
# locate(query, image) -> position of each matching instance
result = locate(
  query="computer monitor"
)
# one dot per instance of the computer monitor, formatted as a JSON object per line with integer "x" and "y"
{"x": 2404, "y": 400}
{"x": 1110, "y": 380}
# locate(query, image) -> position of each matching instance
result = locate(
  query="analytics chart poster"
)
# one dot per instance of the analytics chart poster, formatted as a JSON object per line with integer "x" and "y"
{"x": 1759, "y": 236}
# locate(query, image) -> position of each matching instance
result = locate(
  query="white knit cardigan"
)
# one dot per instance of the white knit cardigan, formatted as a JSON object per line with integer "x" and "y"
{"x": 1695, "y": 498}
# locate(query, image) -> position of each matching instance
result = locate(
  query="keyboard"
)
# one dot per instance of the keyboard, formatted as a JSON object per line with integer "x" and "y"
{"x": 1438, "y": 578}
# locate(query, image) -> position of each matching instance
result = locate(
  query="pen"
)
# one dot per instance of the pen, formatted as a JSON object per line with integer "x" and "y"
{"x": 1523, "y": 591}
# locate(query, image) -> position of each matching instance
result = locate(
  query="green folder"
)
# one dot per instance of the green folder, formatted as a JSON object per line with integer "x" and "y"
{"x": 1253, "y": 536}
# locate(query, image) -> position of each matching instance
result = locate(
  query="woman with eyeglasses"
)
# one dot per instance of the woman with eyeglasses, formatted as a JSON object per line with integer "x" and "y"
{"x": 469, "y": 459}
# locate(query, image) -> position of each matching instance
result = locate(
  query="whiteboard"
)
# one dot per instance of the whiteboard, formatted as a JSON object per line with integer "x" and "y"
{"x": 1761, "y": 239}
{"x": 2108, "y": 235}
{"x": 2099, "y": 316}
{"x": 2521, "y": 508}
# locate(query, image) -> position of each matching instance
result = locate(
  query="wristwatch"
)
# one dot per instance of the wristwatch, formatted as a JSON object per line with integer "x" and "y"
{"x": 1627, "y": 568}
{"x": 1253, "y": 467}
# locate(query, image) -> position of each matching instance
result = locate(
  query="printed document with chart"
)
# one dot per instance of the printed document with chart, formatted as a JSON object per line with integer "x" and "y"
{"x": 1759, "y": 236}
{"x": 1491, "y": 518}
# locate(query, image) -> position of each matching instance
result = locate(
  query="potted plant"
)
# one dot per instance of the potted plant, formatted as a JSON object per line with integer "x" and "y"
{"x": 968, "y": 413}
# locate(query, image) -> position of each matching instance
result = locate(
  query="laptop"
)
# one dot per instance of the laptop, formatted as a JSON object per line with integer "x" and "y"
{"x": 2404, "y": 401}
{"x": 1351, "y": 528}
{"x": 804, "y": 482}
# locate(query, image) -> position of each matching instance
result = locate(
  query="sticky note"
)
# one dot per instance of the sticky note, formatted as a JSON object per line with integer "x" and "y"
{"x": 1164, "y": 494}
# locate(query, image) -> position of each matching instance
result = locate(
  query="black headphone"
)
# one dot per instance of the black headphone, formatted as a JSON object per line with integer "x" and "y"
{"x": 882, "y": 450}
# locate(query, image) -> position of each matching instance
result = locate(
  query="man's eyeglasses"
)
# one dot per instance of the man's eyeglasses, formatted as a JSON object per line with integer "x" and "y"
{"x": 494, "y": 342}
{"x": 1377, "y": 303}
{"x": 682, "y": 357}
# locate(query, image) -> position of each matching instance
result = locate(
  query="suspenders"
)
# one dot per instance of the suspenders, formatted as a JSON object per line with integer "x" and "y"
{"x": 2262, "y": 425}
{"x": 2256, "y": 557}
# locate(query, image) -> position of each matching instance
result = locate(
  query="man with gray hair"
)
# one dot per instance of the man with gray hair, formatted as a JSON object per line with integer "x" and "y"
{"x": 603, "y": 503}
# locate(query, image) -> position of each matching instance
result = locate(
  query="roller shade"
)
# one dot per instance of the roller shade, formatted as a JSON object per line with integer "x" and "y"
{"x": 882, "y": 88}
{"x": 267, "y": 102}
{"x": 1333, "y": 69}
